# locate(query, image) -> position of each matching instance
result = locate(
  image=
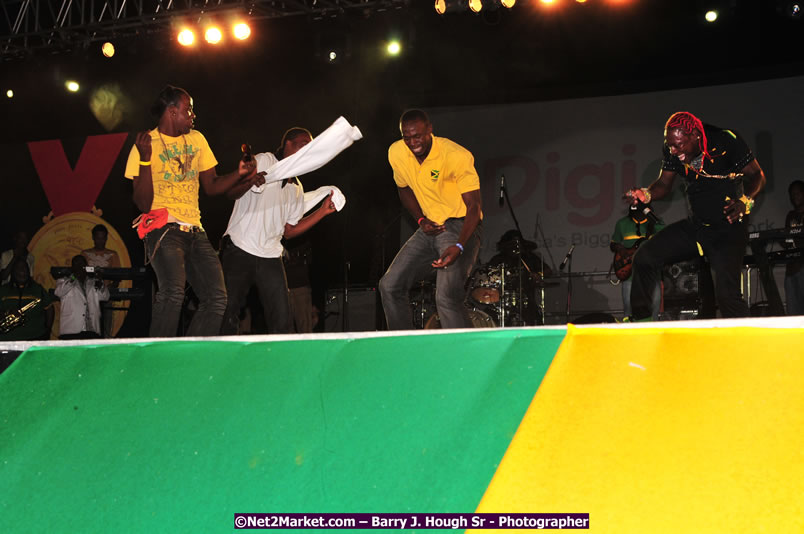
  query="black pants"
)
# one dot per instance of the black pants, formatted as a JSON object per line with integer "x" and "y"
{"x": 723, "y": 245}
{"x": 242, "y": 270}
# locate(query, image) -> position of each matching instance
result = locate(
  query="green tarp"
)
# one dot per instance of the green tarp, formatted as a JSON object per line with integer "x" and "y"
{"x": 178, "y": 436}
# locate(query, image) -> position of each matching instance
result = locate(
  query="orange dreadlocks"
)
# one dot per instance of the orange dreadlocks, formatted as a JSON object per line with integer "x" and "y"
{"x": 687, "y": 122}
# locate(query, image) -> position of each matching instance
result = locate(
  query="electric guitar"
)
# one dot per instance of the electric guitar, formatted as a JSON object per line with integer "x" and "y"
{"x": 623, "y": 260}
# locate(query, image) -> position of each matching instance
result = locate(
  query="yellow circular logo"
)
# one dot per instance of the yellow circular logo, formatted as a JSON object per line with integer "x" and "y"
{"x": 62, "y": 238}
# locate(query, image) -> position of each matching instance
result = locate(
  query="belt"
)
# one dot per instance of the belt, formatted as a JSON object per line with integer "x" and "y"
{"x": 185, "y": 228}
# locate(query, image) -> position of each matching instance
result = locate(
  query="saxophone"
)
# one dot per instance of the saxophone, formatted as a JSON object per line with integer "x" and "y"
{"x": 14, "y": 319}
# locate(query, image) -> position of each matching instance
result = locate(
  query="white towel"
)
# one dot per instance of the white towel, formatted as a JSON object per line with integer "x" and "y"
{"x": 314, "y": 197}
{"x": 320, "y": 151}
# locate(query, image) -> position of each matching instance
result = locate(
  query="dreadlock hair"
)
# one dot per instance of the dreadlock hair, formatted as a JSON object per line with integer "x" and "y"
{"x": 687, "y": 122}
{"x": 290, "y": 135}
{"x": 169, "y": 96}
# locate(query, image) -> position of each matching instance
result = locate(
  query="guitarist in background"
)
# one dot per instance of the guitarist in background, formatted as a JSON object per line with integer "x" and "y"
{"x": 629, "y": 233}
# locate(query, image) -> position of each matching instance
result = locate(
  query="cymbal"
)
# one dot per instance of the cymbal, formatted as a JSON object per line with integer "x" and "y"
{"x": 513, "y": 243}
{"x": 543, "y": 284}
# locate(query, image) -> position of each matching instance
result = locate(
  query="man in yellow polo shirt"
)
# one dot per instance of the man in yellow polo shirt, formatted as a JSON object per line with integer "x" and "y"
{"x": 439, "y": 186}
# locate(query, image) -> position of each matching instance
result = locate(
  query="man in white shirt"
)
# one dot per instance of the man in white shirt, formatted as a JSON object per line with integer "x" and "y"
{"x": 252, "y": 248}
{"x": 80, "y": 295}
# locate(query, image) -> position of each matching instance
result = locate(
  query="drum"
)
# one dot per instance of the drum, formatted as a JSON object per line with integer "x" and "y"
{"x": 422, "y": 303}
{"x": 479, "y": 318}
{"x": 484, "y": 285}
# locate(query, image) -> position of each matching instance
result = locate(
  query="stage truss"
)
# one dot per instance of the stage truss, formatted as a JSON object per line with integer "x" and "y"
{"x": 62, "y": 25}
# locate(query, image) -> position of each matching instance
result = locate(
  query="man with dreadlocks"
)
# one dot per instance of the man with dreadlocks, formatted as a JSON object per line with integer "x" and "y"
{"x": 168, "y": 165}
{"x": 722, "y": 178}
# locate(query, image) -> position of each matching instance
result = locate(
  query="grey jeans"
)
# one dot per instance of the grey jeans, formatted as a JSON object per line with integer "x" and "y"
{"x": 413, "y": 263}
{"x": 183, "y": 257}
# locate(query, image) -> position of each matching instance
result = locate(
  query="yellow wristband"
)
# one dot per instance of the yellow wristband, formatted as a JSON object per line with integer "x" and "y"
{"x": 749, "y": 203}
{"x": 145, "y": 163}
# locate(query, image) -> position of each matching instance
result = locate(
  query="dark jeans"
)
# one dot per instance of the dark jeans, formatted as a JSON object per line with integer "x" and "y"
{"x": 723, "y": 245}
{"x": 241, "y": 271}
{"x": 183, "y": 257}
{"x": 413, "y": 263}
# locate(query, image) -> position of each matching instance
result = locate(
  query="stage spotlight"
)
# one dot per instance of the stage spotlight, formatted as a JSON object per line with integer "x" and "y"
{"x": 548, "y": 2}
{"x": 394, "y": 48}
{"x": 72, "y": 86}
{"x": 333, "y": 56}
{"x": 791, "y": 9}
{"x": 10, "y": 93}
{"x": 450, "y": 6}
{"x": 241, "y": 31}
{"x": 711, "y": 15}
{"x": 107, "y": 49}
{"x": 186, "y": 37}
{"x": 213, "y": 35}
{"x": 507, "y": 3}
{"x": 476, "y": 5}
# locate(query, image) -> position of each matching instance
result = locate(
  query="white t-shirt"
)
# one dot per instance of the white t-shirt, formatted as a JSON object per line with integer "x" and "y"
{"x": 258, "y": 219}
{"x": 80, "y": 309}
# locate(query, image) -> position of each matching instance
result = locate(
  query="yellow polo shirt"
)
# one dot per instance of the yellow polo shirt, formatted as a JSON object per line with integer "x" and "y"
{"x": 440, "y": 180}
{"x": 175, "y": 165}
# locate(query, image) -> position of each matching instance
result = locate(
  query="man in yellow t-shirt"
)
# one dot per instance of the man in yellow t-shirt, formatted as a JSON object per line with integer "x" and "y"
{"x": 439, "y": 186}
{"x": 167, "y": 165}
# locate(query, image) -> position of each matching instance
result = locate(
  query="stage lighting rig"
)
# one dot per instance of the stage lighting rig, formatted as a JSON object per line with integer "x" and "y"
{"x": 476, "y": 6}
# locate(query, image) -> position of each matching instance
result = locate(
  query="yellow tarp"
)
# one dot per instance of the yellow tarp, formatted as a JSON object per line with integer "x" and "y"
{"x": 664, "y": 430}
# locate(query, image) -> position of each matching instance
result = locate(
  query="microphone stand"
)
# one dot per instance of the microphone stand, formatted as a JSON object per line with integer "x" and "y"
{"x": 518, "y": 254}
{"x": 569, "y": 287}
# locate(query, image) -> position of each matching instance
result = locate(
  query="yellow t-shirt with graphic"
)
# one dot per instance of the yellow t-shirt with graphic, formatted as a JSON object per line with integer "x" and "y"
{"x": 175, "y": 165}
{"x": 440, "y": 180}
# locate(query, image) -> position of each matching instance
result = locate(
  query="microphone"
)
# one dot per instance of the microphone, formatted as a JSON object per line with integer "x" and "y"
{"x": 245, "y": 148}
{"x": 566, "y": 258}
{"x": 502, "y": 190}
{"x": 647, "y": 211}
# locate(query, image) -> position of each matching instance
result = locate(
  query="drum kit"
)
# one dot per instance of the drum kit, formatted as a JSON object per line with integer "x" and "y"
{"x": 502, "y": 292}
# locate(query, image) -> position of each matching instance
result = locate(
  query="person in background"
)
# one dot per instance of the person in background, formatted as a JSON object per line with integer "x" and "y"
{"x": 794, "y": 273}
{"x": 630, "y": 232}
{"x": 19, "y": 292}
{"x": 80, "y": 296}
{"x": 20, "y": 250}
{"x": 100, "y": 256}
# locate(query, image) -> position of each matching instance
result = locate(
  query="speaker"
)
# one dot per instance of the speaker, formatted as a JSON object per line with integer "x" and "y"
{"x": 362, "y": 310}
{"x": 688, "y": 291}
